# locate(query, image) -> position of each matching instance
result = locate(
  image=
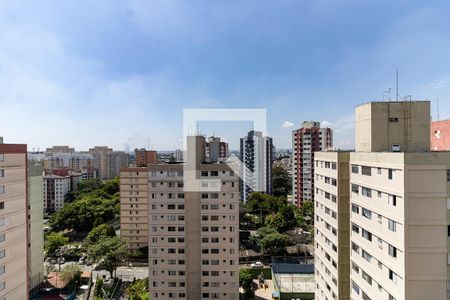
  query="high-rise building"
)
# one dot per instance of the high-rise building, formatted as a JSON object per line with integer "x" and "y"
{"x": 56, "y": 184}
{"x": 36, "y": 217}
{"x": 193, "y": 225}
{"x": 134, "y": 206}
{"x": 215, "y": 149}
{"x": 109, "y": 162}
{"x": 305, "y": 141}
{"x": 399, "y": 191}
{"x": 145, "y": 157}
{"x": 14, "y": 229}
{"x": 256, "y": 154}
{"x": 331, "y": 225}
{"x": 440, "y": 135}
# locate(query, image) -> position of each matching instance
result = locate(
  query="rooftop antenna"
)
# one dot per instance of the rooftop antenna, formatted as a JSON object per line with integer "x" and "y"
{"x": 388, "y": 92}
{"x": 437, "y": 108}
{"x": 396, "y": 86}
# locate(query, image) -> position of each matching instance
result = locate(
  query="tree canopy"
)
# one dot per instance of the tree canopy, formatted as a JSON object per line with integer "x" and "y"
{"x": 95, "y": 203}
{"x": 281, "y": 182}
{"x": 100, "y": 232}
{"x": 110, "y": 251}
{"x": 54, "y": 241}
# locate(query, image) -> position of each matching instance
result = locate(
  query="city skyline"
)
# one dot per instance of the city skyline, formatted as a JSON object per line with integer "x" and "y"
{"x": 128, "y": 70}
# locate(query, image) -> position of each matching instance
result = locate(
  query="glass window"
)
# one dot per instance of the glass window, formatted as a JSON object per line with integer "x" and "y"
{"x": 366, "y": 192}
{"x": 366, "y": 170}
{"x": 367, "y": 213}
{"x": 355, "y": 169}
{"x": 392, "y": 251}
{"x": 392, "y": 225}
{"x": 392, "y": 200}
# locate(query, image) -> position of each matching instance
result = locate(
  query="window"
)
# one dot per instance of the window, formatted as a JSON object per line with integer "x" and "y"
{"x": 392, "y": 251}
{"x": 2, "y": 221}
{"x": 355, "y": 247}
{"x": 204, "y": 173}
{"x": 2, "y": 173}
{"x": 393, "y": 120}
{"x": 2, "y": 205}
{"x": 355, "y": 267}
{"x": 366, "y": 277}
{"x": 367, "y": 235}
{"x": 355, "y": 169}
{"x": 366, "y": 170}
{"x": 392, "y": 200}
{"x": 355, "y": 228}
{"x": 379, "y": 170}
{"x": 390, "y": 174}
{"x": 2, "y": 189}
{"x": 355, "y": 189}
{"x": 214, "y": 173}
{"x": 2, "y": 253}
{"x": 355, "y": 288}
{"x": 367, "y": 213}
{"x": 366, "y": 192}
{"x": 392, "y": 225}
{"x": 392, "y": 276}
{"x": 366, "y": 256}
{"x": 448, "y": 203}
{"x": 2, "y": 237}
{"x": 355, "y": 209}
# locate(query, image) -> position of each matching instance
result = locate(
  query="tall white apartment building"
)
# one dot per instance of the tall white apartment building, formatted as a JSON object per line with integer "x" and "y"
{"x": 55, "y": 190}
{"x": 399, "y": 201}
{"x": 256, "y": 154}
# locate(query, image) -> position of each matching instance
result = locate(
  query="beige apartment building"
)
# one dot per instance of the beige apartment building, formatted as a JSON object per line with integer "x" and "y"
{"x": 192, "y": 225}
{"x": 332, "y": 256}
{"x": 14, "y": 264}
{"x": 399, "y": 201}
{"x": 134, "y": 206}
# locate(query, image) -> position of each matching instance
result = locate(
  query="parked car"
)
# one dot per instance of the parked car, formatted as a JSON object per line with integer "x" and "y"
{"x": 257, "y": 265}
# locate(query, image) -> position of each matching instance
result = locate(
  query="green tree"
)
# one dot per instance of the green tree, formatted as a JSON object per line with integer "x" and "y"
{"x": 274, "y": 243}
{"x": 138, "y": 290}
{"x": 110, "y": 251}
{"x": 263, "y": 204}
{"x": 305, "y": 216}
{"x": 100, "y": 232}
{"x": 287, "y": 214}
{"x": 276, "y": 222}
{"x": 79, "y": 215}
{"x": 245, "y": 280}
{"x": 70, "y": 273}
{"x": 281, "y": 182}
{"x": 54, "y": 241}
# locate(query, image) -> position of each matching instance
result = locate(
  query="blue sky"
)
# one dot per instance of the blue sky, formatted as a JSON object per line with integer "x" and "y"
{"x": 117, "y": 73}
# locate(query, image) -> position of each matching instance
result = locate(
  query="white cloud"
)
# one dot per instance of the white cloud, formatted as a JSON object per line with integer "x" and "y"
{"x": 287, "y": 124}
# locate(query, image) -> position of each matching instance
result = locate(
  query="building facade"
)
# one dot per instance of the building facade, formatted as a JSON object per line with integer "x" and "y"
{"x": 36, "y": 217}
{"x": 256, "y": 154}
{"x": 109, "y": 162}
{"x": 399, "y": 201}
{"x": 193, "y": 225}
{"x": 134, "y": 206}
{"x": 215, "y": 149}
{"x": 331, "y": 225}
{"x": 14, "y": 232}
{"x": 305, "y": 141}
{"x": 55, "y": 190}
{"x": 440, "y": 135}
{"x": 145, "y": 157}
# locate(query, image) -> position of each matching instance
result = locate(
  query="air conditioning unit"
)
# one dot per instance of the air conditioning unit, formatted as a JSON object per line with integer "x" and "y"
{"x": 395, "y": 148}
